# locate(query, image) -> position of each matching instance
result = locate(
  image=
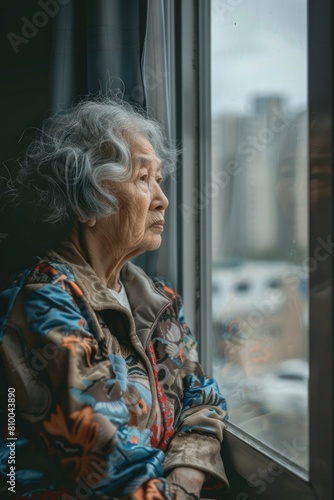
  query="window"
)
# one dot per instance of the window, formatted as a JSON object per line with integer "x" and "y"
{"x": 254, "y": 233}
{"x": 260, "y": 220}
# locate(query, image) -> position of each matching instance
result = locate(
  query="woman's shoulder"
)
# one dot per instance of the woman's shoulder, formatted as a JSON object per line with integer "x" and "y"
{"x": 46, "y": 277}
{"x": 41, "y": 285}
{"x": 42, "y": 271}
{"x": 49, "y": 271}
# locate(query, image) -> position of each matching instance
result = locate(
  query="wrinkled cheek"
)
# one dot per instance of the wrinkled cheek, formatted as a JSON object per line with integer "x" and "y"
{"x": 132, "y": 227}
{"x": 138, "y": 233}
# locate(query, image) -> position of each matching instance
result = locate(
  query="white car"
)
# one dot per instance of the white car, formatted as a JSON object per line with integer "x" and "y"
{"x": 283, "y": 390}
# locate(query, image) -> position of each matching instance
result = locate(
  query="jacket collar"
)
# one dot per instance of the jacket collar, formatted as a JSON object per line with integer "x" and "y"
{"x": 145, "y": 299}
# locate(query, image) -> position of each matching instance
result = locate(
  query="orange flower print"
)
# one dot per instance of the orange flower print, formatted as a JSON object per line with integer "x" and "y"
{"x": 43, "y": 267}
{"x": 181, "y": 354}
{"x": 75, "y": 289}
{"x": 144, "y": 408}
{"x": 73, "y": 443}
{"x": 169, "y": 292}
{"x": 70, "y": 340}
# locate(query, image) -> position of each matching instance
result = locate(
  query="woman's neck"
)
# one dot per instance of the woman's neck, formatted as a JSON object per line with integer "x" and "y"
{"x": 104, "y": 256}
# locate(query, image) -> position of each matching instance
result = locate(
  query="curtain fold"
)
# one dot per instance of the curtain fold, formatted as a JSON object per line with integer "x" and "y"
{"x": 120, "y": 46}
{"x": 68, "y": 66}
{"x": 97, "y": 48}
{"x": 113, "y": 31}
{"x": 157, "y": 81}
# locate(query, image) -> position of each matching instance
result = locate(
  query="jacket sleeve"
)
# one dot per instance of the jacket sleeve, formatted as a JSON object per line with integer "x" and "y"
{"x": 69, "y": 398}
{"x": 200, "y": 424}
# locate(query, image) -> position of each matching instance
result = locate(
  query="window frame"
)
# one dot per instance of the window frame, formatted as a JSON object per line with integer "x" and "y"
{"x": 243, "y": 455}
{"x": 186, "y": 123}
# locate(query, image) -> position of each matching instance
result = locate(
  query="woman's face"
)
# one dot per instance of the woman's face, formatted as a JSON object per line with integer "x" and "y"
{"x": 138, "y": 224}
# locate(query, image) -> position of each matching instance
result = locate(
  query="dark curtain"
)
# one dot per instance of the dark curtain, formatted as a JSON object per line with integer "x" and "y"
{"x": 58, "y": 51}
{"x": 97, "y": 46}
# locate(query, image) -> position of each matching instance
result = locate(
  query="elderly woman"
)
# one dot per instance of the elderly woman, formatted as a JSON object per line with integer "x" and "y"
{"x": 103, "y": 395}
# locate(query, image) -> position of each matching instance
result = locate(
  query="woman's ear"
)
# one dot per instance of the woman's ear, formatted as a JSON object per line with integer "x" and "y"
{"x": 89, "y": 222}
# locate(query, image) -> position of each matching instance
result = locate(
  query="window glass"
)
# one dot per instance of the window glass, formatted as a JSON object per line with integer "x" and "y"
{"x": 260, "y": 218}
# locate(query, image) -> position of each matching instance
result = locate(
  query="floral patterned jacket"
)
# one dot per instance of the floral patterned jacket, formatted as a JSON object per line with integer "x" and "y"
{"x": 104, "y": 400}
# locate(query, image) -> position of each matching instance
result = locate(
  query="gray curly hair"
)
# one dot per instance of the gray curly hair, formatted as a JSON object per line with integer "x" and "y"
{"x": 66, "y": 168}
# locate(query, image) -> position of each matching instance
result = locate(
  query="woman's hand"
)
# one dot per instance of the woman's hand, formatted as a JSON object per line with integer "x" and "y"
{"x": 187, "y": 482}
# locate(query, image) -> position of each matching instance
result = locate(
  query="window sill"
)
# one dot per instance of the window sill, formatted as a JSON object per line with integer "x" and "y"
{"x": 266, "y": 474}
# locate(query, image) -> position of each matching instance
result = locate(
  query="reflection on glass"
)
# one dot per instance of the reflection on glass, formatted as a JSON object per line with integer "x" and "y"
{"x": 259, "y": 219}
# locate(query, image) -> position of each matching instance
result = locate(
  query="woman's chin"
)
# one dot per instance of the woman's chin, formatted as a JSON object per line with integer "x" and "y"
{"x": 153, "y": 244}
{"x": 146, "y": 247}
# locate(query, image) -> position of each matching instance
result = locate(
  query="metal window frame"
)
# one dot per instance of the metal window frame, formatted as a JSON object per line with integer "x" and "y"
{"x": 205, "y": 213}
{"x": 187, "y": 138}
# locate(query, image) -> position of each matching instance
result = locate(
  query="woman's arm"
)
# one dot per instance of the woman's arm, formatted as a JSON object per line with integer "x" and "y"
{"x": 200, "y": 424}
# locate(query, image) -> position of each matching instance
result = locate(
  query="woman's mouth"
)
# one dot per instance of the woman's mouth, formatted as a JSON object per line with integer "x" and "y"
{"x": 159, "y": 224}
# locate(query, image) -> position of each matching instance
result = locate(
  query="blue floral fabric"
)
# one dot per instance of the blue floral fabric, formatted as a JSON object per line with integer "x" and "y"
{"x": 96, "y": 407}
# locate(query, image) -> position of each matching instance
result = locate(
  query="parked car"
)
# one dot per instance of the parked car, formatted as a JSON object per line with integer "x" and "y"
{"x": 283, "y": 390}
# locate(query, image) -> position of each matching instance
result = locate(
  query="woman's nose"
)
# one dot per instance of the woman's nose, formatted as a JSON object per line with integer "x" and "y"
{"x": 159, "y": 199}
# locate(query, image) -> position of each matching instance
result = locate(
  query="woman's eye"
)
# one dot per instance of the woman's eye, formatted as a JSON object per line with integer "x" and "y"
{"x": 159, "y": 180}
{"x": 144, "y": 177}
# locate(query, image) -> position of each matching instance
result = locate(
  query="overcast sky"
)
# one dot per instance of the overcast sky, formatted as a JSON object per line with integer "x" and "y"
{"x": 259, "y": 47}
